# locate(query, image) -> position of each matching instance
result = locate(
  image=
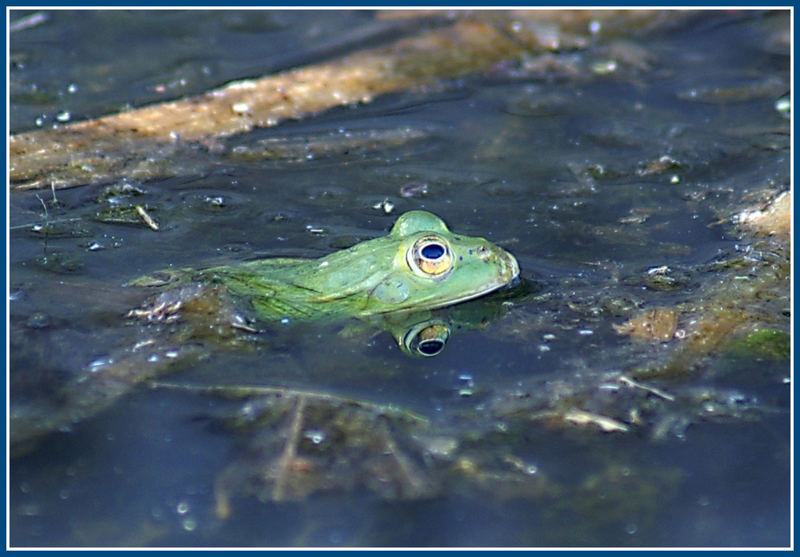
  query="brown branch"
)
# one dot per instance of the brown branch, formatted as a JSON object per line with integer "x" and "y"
{"x": 123, "y": 144}
{"x": 143, "y": 143}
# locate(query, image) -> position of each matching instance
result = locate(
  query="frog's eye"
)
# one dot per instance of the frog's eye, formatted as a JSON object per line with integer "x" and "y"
{"x": 430, "y": 257}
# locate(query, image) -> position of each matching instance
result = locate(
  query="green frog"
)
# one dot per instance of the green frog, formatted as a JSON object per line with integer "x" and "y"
{"x": 419, "y": 265}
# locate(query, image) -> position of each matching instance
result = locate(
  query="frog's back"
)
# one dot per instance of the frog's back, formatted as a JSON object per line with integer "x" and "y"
{"x": 268, "y": 286}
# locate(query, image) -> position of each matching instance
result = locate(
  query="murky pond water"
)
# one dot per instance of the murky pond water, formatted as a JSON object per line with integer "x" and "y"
{"x": 608, "y": 172}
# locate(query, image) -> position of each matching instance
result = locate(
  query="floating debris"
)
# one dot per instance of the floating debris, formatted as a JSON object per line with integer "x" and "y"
{"x": 759, "y": 89}
{"x": 148, "y": 220}
{"x": 774, "y": 218}
{"x": 784, "y": 106}
{"x": 414, "y": 189}
{"x": 28, "y": 21}
{"x": 386, "y": 206}
{"x": 581, "y": 417}
{"x": 604, "y": 67}
{"x": 656, "y": 324}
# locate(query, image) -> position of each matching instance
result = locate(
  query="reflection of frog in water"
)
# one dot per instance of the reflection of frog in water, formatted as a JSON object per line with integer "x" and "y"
{"x": 400, "y": 282}
{"x": 425, "y": 333}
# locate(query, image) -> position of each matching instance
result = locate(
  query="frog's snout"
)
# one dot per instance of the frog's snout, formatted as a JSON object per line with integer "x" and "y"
{"x": 509, "y": 265}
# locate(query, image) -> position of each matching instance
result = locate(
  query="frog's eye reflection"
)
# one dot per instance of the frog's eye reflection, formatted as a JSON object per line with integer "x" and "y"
{"x": 430, "y": 347}
{"x": 430, "y": 256}
{"x": 426, "y": 339}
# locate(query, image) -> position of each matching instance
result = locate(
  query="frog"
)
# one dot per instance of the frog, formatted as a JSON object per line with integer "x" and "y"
{"x": 420, "y": 265}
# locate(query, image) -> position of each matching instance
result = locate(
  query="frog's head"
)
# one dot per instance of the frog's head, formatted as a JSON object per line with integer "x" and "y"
{"x": 421, "y": 264}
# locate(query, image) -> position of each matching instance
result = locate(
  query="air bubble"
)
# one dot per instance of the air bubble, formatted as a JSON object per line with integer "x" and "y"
{"x": 315, "y": 436}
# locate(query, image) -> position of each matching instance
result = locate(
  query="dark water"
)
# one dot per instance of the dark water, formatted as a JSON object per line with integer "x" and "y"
{"x": 549, "y": 166}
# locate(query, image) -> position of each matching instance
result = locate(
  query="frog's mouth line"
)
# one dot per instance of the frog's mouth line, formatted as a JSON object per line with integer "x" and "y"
{"x": 468, "y": 297}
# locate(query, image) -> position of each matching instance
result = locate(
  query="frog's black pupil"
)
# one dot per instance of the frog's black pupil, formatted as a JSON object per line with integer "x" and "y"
{"x": 432, "y": 251}
{"x": 431, "y": 347}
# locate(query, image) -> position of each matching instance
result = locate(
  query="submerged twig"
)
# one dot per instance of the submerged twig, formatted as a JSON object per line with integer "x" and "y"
{"x": 245, "y": 391}
{"x": 286, "y": 460}
{"x": 413, "y": 478}
{"x": 49, "y": 222}
{"x": 658, "y": 392}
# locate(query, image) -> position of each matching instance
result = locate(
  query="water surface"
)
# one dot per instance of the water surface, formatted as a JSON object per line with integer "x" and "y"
{"x": 552, "y": 166}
